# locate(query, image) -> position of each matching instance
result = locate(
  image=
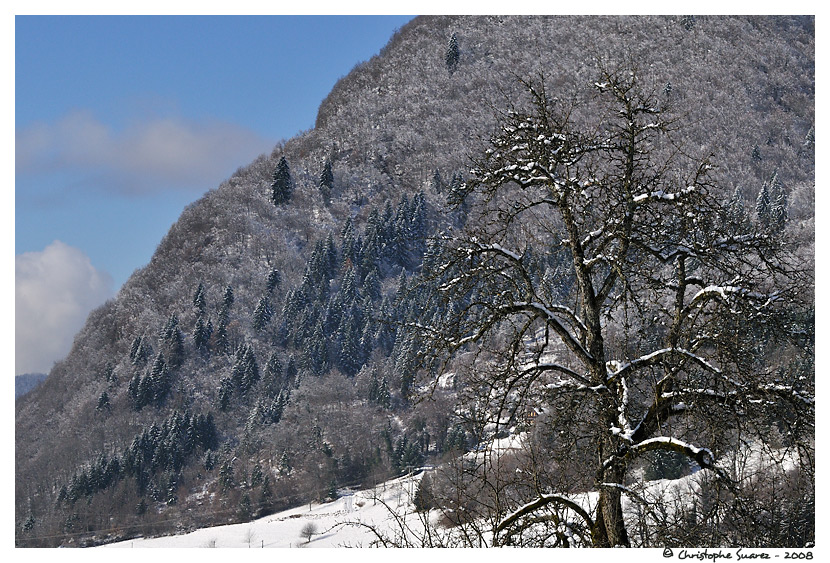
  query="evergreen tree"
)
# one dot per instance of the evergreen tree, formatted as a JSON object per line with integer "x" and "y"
{"x": 372, "y": 285}
{"x": 266, "y": 495}
{"x": 810, "y": 137}
{"x": 330, "y": 254}
{"x": 225, "y": 393}
{"x": 763, "y": 205}
{"x": 452, "y": 55}
{"x": 326, "y": 182}
{"x": 274, "y": 374}
{"x": 159, "y": 379}
{"x": 251, "y": 375}
{"x": 199, "y": 298}
{"x": 282, "y": 185}
{"x": 274, "y": 280}
{"x": 348, "y": 337}
{"x": 201, "y": 336}
{"x": 257, "y": 476}
{"x": 424, "y": 498}
{"x": 735, "y": 216}
{"x": 227, "y": 301}
{"x": 778, "y": 204}
{"x": 291, "y": 372}
{"x": 221, "y": 338}
{"x": 284, "y": 467}
{"x": 262, "y": 313}
{"x": 348, "y": 243}
{"x": 175, "y": 347}
{"x": 315, "y": 352}
{"x": 226, "y": 479}
{"x": 169, "y": 328}
{"x": 103, "y": 402}
{"x": 437, "y": 184}
{"x": 140, "y": 352}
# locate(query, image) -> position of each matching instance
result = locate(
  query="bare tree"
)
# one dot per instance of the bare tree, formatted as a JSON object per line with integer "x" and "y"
{"x": 601, "y": 280}
{"x": 308, "y": 530}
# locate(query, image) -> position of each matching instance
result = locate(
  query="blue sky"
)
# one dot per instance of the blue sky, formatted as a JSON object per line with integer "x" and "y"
{"x": 121, "y": 121}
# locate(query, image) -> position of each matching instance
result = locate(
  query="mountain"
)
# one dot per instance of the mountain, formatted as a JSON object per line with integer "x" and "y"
{"x": 258, "y": 362}
{"x": 26, "y": 382}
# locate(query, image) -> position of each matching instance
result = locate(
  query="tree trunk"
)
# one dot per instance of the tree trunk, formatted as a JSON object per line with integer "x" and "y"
{"x": 610, "y": 526}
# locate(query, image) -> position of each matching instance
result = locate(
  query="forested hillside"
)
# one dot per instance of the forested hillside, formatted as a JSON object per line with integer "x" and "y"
{"x": 275, "y": 348}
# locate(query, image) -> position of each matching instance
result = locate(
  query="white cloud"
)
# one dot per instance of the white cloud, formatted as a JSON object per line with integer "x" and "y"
{"x": 54, "y": 292}
{"x": 150, "y": 155}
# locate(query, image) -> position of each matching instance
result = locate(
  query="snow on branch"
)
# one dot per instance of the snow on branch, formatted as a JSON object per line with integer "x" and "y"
{"x": 658, "y": 357}
{"x": 543, "y": 367}
{"x": 551, "y": 319}
{"x": 497, "y": 248}
{"x": 723, "y": 292}
{"x": 543, "y": 501}
{"x": 702, "y": 456}
{"x": 789, "y": 390}
{"x": 660, "y": 195}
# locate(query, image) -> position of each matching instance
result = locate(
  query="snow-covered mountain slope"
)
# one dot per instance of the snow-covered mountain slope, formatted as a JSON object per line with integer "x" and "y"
{"x": 345, "y": 522}
{"x": 385, "y": 513}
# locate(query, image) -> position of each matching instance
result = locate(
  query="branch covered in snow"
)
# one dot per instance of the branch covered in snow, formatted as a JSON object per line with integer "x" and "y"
{"x": 657, "y": 357}
{"x": 540, "y": 502}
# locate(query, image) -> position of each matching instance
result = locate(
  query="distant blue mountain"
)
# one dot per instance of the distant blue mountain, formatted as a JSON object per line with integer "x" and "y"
{"x": 26, "y": 382}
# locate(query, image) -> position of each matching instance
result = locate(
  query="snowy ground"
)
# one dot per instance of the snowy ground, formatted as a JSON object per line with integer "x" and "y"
{"x": 341, "y": 523}
{"x": 346, "y": 522}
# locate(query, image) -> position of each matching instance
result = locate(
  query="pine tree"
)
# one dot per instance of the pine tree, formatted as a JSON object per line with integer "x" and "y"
{"x": 175, "y": 348}
{"x": 424, "y": 498}
{"x": 317, "y": 351}
{"x": 227, "y": 301}
{"x": 226, "y": 479}
{"x": 452, "y": 55}
{"x": 103, "y": 402}
{"x": 284, "y": 467}
{"x": 326, "y": 182}
{"x": 274, "y": 280}
{"x": 763, "y": 205}
{"x": 437, "y": 184}
{"x": 348, "y": 338}
{"x": 221, "y": 338}
{"x": 199, "y": 298}
{"x": 201, "y": 337}
{"x": 384, "y": 396}
{"x": 274, "y": 375}
{"x": 810, "y": 137}
{"x": 257, "y": 476}
{"x": 266, "y": 495}
{"x": 159, "y": 380}
{"x": 778, "y": 204}
{"x": 282, "y": 185}
{"x": 372, "y": 285}
{"x": 225, "y": 393}
{"x": 291, "y": 372}
{"x": 251, "y": 375}
{"x": 262, "y": 313}
{"x": 348, "y": 244}
{"x": 735, "y": 216}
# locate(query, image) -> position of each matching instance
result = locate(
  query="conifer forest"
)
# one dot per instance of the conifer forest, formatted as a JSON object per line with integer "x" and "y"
{"x": 591, "y": 236}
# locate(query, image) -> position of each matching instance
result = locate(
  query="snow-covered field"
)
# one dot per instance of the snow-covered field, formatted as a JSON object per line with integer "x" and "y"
{"x": 349, "y": 521}
{"x": 341, "y": 523}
